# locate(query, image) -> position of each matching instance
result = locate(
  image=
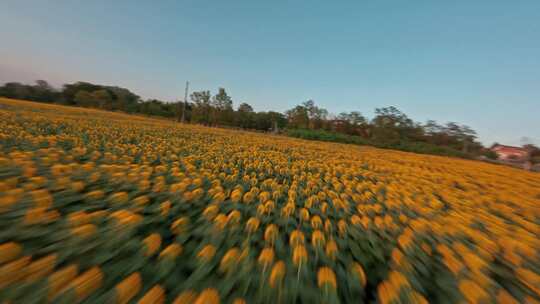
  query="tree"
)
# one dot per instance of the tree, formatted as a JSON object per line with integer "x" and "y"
{"x": 244, "y": 116}
{"x": 278, "y": 120}
{"x": 533, "y": 152}
{"x": 353, "y": 123}
{"x": 156, "y": 107}
{"x": 391, "y": 117}
{"x": 43, "y": 85}
{"x": 269, "y": 121}
{"x": 84, "y": 99}
{"x": 70, "y": 90}
{"x": 307, "y": 116}
{"x": 16, "y": 90}
{"x": 390, "y": 125}
{"x": 122, "y": 99}
{"x": 298, "y": 117}
{"x": 201, "y": 107}
{"x": 317, "y": 116}
{"x": 467, "y": 136}
{"x": 245, "y": 108}
{"x": 119, "y": 98}
{"x": 462, "y": 135}
{"x": 102, "y": 99}
{"x": 43, "y": 92}
{"x": 222, "y": 110}
{"x": 432, "y": 127}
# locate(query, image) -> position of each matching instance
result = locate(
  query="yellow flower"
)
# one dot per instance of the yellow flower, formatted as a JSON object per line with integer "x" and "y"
{"x": 218, "y": 198}
{"x": 277, "y": 274}
{"x": 125, "y": 217}
{"x": 171, "y": 251}
{"x": 417, "y": 298}
{"x": 10, "y": 198}
{"x": 328, "y": 226}
{"x": 208, "y": 296}
{"x": 9, "y": 251}
{"x": 405, "y": 241}
{"x": 331, "y": 249}
{"x": 60, "y": 279}
{"x": 296, "y": 238}
{"x": 472, "y": 292}
{"x": 95, "y": 195}
{"x": 180, "y": 225}
{"x": 271, "y": 233}
{"x": 252, "y": 225}
{"x": 386, "y": 293}
{"x": 128, "y": 288}
{"x": 503, "y": 297}
{"x": 239, "y": 301}
{"x": 40, "y": 268}
{"x": 207, "y": 253}
{"x": 84, "y": 231}
{"x": 304, "y": 214}
{"x": 287, "y": 210}
{"x": 317, "y": 239}
{"x": 13, "y": 271}
{"x": 355, "y": 220}
{"x": 119, "y": 197}
{"x": 234, "y": 217}
{"x": 186, "y": 297}
{"x": 342, "y": 227}
{"x": 87, "y": 283}
{"x": 42, "y": 198}
{"x": 210, "y": 212}
{"x": 299, "y": 255}
{"x": 397, "y": 256}
{"x": 324, "y": 208}
{"x": 474, "y": 262}
{"x": 248, "y": 197}
{"x": 230, "y": 260}
{"x": 358, "y": 271}
{"x": 316, "y": 222}
{"x": 397, "y": 280}
{"x": 236, "y": 195}
{"x": 530, "y": 300}
{"x": 78, "y": 218}
{"x": 152, "y": 244}
{"x": 156, "y": 295}
{"x": 266, "y": 257}
{"x": 326, "y": 278}
{"x": 220, "y": 221}
{"x": 165, "y": 207}
{"x": 453, "y": 264}
{"x": 529, "y": 279}
{"x": 141, "y": 200}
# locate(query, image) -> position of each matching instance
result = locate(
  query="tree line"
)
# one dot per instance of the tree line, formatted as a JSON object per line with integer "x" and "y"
{"x": 389, "y": 128}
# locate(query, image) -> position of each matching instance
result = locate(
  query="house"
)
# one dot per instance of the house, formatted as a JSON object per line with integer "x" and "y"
{"x": 510, "y": 153}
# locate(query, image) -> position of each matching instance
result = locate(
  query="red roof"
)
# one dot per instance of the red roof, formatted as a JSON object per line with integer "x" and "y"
{"x": 507, "y": 149}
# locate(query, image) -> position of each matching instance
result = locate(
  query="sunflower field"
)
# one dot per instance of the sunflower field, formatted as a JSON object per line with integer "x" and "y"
{"x": 103, "y": 207}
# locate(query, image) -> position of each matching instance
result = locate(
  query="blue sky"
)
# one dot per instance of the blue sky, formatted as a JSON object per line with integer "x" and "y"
{"x": 474, "y": 62}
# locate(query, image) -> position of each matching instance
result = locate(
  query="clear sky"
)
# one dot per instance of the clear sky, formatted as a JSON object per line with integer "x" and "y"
{"x": 474, "y": 62}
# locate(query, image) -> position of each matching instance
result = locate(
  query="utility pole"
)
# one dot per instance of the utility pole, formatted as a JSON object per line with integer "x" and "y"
{"x": 185, "y": 102}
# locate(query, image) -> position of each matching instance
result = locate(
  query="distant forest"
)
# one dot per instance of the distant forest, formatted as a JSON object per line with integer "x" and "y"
{"x": 389, "y": 128}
